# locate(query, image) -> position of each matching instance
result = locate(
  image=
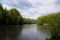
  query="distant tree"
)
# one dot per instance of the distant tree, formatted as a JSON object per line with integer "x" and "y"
{"x": 29, "y": 21}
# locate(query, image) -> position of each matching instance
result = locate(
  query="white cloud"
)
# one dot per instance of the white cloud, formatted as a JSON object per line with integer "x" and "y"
{"x": 6, "y": 6}
{"x": 33, "y": 8}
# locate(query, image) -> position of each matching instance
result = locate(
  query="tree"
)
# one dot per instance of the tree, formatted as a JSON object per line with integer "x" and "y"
{"x": 53, "y": 22}
{"x": 15, "y": 16}
{"x": 11, "y": 16}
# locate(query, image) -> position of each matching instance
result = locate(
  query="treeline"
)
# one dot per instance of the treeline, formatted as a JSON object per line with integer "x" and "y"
{"x": 53, "y": 23}
{"x": 29, "y": 21}
{"x": 12, "y": 16}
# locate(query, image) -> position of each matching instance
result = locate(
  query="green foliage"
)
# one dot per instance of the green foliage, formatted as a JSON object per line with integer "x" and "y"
{"x": 1, "y": 7}
{"x": 53, "y": 22}
{"x": 29, "y": 21}
{"x": 11, "y": 16}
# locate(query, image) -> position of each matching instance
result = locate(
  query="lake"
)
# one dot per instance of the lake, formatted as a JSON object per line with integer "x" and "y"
{"x": 24, "y": 32}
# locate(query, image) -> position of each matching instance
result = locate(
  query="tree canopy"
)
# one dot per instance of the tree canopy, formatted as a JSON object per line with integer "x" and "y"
{"x": 11, "y": 16}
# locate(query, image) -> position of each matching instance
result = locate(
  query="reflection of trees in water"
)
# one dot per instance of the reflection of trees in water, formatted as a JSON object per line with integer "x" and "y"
{"x": 10, "y": 32}
{"x": 44, "y": 30}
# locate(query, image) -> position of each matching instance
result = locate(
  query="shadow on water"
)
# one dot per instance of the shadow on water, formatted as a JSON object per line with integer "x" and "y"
{"x": 10, "y": 32}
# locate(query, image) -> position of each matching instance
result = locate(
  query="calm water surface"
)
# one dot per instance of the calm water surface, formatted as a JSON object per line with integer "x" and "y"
{"x": 25, "y": 32}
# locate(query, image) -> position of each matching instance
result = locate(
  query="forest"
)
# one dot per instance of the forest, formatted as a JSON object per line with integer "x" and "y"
{"x": 12, "y": 16}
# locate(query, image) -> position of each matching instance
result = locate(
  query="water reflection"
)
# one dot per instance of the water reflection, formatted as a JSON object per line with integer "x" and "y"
{"x": 44, "y": 30}
{"x": 23, "y": 32}
{"x": 10, "y": 32}
{"x": 32, "y": 32}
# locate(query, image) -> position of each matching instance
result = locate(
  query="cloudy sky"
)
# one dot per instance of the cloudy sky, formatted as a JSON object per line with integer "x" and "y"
{"x": 33, "y": 8}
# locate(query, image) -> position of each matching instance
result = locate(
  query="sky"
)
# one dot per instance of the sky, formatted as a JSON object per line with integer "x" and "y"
{"x": 33, "y": 8}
